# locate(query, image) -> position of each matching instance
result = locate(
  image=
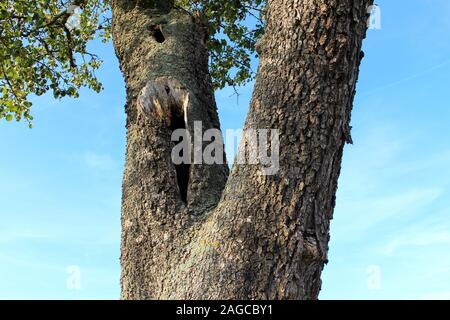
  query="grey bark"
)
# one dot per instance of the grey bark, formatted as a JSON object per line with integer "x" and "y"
{"x": 246, "y": 236}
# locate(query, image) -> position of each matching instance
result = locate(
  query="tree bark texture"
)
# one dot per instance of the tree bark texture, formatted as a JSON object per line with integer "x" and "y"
{"x": 197, "y": 232}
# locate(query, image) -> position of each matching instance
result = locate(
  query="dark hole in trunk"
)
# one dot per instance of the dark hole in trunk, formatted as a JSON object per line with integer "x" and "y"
{"x": 182, "y": 169}
{"x": 158, "y": 35}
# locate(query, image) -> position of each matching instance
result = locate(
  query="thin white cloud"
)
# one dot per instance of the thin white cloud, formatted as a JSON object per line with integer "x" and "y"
{"x": 358, "y": 217}
{"x": 12, "y": 236}
{"x": 98, "y": 161}
{"x": 376, "y": 187}
{"x": 414, "y": 76}
{"x": 445, "y": 295}
{"x": 90, "y": 159}
{"x": 424, "y": 239}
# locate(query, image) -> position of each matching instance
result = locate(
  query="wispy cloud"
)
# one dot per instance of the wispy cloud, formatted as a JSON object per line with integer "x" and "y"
{"x": 92, "y": 160}
{"x": 98, "y": 161}
{"x": 358, "y": 217}
{"x": 11, "y": 236}
{"x": 424, "y": 239}
{"x": 445, "y": 295}
{"x": 377, "y": 188}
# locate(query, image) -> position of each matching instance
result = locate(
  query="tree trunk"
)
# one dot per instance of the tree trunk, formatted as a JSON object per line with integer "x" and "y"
{"x": 192, "y": 232}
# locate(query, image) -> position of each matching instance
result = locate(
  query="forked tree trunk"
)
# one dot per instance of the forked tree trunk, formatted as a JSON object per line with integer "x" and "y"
{"x": 192, "y": 232}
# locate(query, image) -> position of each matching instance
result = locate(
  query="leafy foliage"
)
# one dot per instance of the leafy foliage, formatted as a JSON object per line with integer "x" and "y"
{"x": 40, "y": 53}
{"x": 234, "y": 28}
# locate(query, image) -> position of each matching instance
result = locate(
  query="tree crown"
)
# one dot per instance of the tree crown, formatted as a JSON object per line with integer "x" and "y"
{"x": 44, "y": 46}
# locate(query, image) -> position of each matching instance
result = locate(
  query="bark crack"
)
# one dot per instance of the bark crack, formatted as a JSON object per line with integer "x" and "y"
{"x": 158, "y": 34}
{"x": 167, "y": 100}
{"x": 183, "y": 170}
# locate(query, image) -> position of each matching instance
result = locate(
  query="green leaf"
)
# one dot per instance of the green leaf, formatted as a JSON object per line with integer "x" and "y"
{"x": 39, "y": 56}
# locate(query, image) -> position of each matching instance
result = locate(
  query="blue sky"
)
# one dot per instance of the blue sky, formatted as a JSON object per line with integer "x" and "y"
{"x": 60, "y": 183}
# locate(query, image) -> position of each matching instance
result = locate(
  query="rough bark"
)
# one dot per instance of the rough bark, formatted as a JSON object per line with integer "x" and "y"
{"x": 257, "y": 237}
{"x": 165, "y": 65}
